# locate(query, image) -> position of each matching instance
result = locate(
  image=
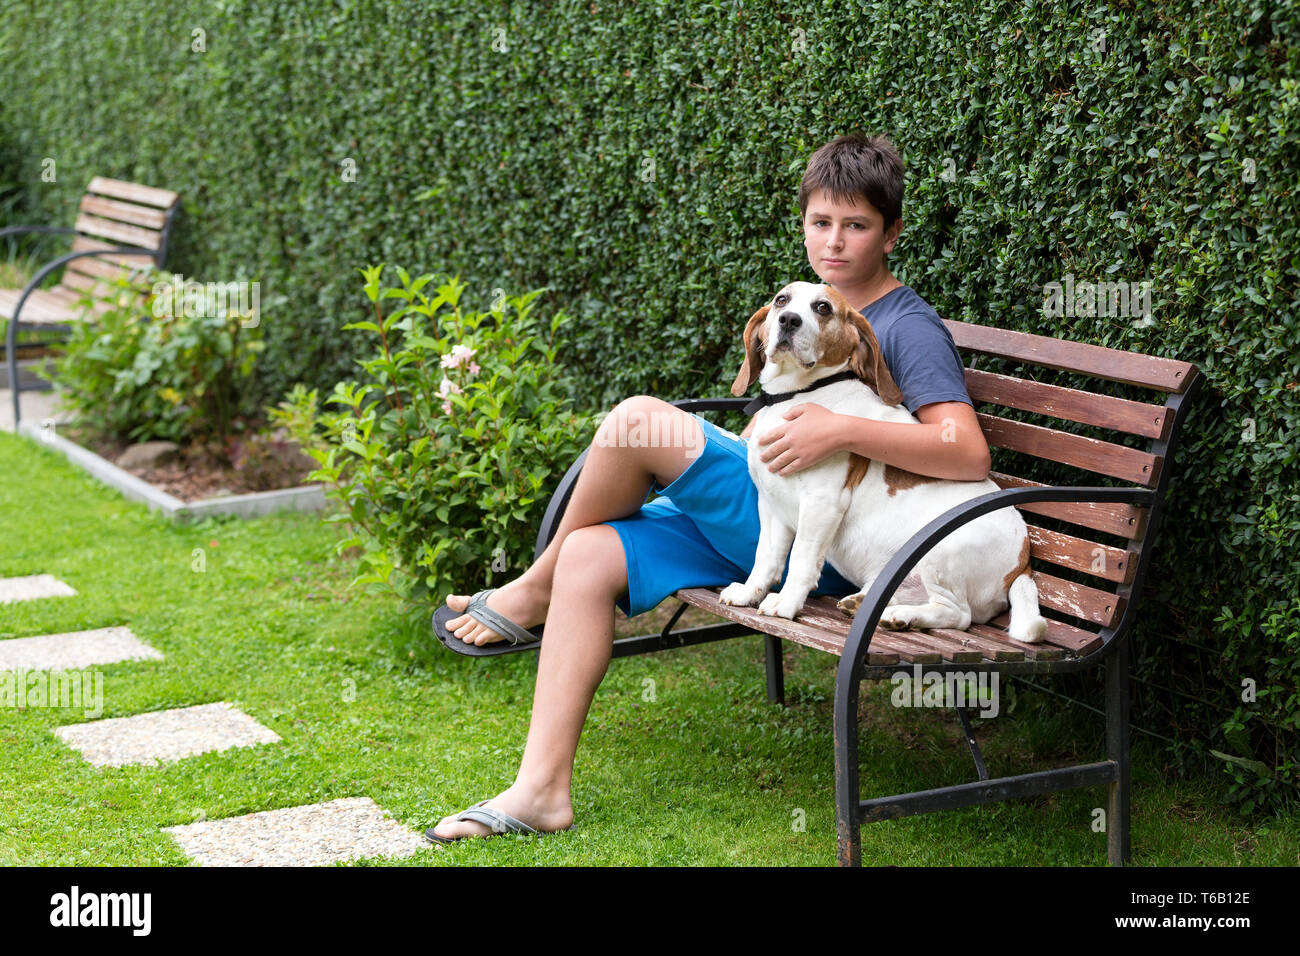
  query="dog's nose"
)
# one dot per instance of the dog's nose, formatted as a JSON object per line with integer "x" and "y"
{"x": 789, "y": 321}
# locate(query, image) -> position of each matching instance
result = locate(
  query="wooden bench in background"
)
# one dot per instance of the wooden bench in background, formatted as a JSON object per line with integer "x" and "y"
{"x": 121, "y": 226}
{"x": 1096, "y": 540}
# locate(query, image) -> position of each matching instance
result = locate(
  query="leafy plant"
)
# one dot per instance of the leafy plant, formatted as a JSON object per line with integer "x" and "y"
{"x": 444, "y": 460}
{"x": 148, "y": 368}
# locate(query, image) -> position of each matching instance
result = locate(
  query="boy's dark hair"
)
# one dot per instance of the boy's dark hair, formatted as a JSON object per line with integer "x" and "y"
{"x": 853, "y": 167}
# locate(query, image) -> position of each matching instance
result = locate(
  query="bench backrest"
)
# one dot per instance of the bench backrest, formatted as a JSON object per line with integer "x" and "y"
{"x": 116, "y": 213}
{"x": 1092, "y": 580}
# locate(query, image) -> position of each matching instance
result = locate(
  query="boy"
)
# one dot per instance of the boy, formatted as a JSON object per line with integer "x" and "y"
{"x": 612, "y": 549}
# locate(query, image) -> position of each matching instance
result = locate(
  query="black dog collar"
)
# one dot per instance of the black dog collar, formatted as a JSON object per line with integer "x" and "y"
{"x": 765, "y": 398}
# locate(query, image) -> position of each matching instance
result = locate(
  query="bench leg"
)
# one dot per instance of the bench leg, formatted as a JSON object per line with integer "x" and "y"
{"x": 1117, "y": 749}
{"x": 775, "y": 669}
{"x": 847, "y": 819}
{"x": 11, "y": 359}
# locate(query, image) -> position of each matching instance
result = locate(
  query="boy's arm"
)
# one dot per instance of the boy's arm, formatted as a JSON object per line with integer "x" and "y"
{"x": 947, "y": 444}
{"x": 748, "y": 428}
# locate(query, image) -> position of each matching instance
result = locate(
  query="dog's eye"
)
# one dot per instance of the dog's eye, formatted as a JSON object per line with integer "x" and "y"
{"x": 823, "y": 307}
{"x": 781, "y": 299}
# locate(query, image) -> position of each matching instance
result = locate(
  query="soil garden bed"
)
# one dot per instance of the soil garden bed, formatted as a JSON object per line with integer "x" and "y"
{"x": 199, "y": 472}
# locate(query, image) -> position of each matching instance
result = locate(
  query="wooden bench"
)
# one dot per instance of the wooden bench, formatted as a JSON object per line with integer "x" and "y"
{"x": 121, "y": 226}
{"x": 1097, "y": 539}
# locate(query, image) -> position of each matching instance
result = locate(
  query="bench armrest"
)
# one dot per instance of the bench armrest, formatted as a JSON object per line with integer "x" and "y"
{"x": 711, "y": 404}
{"x": 19, "y": 230}
{"x": 907, "y": 557}
{"x": 49, "y": 267}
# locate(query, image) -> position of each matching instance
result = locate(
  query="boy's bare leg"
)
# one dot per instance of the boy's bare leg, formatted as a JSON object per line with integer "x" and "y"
{"x": 589, "y": 577}
{"x": 614, "y": 482}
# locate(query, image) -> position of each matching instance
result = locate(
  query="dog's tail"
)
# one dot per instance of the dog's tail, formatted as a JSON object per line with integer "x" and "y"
{"x": 1026, "y": 623}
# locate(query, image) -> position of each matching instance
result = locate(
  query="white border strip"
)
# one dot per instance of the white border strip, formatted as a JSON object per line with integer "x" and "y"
{"x": 302, "y": 498}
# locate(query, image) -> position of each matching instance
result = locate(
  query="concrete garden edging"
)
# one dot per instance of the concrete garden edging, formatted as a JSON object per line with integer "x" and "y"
{"x": 302, "y": 498}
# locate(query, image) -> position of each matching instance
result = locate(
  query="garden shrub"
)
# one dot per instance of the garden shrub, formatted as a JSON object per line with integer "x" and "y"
{"x": 154, "y": 367}
{"x": 443, "y": 459}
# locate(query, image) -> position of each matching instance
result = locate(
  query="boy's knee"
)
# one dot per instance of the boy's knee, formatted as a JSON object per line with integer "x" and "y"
{"x": 644, "y": 421}
{"x": 642, "y": 406}
{"x": 593, "y": 556}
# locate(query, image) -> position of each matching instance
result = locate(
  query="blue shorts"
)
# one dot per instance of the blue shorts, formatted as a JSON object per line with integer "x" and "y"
{"x": 702, "y": 532}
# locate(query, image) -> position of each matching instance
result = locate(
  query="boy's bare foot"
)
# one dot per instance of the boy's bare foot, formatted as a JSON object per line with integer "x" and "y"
{"x": 519, "y": 601}
{"x": 545, "y": 812}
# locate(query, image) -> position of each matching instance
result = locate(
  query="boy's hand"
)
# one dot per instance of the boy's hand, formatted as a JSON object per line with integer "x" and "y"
{"x": 811, "y": 432}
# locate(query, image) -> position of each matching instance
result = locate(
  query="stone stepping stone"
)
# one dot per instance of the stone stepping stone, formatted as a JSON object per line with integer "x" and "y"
{"x": 32, "y": 587}
{"x": 74, "y": 650}
{"x": 165, "y": 735}
{"x": 318, "y": 834}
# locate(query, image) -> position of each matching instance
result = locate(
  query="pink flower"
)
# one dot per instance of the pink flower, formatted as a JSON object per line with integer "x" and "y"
{"x": 459, "y": 355}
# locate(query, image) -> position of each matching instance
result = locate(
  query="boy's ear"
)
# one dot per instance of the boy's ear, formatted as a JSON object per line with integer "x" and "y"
{"x": 868, "y": 361}
{"x": 755, "y": 346}
{"x": 891, "y": 235}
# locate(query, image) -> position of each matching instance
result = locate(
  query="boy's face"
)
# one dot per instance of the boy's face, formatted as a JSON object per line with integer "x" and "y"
{"x": 847, "y": 244}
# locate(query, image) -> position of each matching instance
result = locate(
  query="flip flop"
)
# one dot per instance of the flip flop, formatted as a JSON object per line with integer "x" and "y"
{"x": 498, "y": 820}
{"x": 477, "y": 609}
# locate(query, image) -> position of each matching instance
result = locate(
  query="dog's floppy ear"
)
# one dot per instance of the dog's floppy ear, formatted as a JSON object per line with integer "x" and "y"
{"x": 868, "y": 361}
{"x": 754, "y": 348}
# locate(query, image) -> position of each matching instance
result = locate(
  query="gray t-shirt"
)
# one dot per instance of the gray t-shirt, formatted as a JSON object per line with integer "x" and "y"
{"x": 918, "y": 349}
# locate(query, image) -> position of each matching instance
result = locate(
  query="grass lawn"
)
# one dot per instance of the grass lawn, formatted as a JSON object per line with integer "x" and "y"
{"x": 706, "y": 772}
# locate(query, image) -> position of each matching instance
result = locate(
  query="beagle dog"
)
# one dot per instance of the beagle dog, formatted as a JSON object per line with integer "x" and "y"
{"x": 810, "y": 345}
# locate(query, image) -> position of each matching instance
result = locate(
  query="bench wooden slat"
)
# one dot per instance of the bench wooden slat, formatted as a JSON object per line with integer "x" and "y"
{"x": 97, "y": 268}
{"x": 1076, "y": 640}
{"x": 823, "y": 626}
{"x": 1071, "y": 404}
{"x": 798, "y": 631}
{"x": 821, "y": 614}
{"x": 134, "y": 192}
{"x": 911, "y": 646}
{"x": 1092, "y": 454}
{"x": 1131, "y": 368}
{"x": 1080, "y": 554}
{"x": 117, "y": 231}
{"x": 953, "y": 648}
{"x": 123, "y": 212}
{"x": 1124, "y": 520}
{"x": 130, "y": 260}
{"x": 41, "y": 308}
{"x": 69, "y": 297}
{"x": 1003, "y": 648}
{"x": 1077, "y": 600}
{"x": 79, "y": 281}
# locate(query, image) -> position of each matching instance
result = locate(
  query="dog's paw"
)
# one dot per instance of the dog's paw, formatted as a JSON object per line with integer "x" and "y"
{"x": 849, "y": 605}
{"x": 777, "y": 605}
{"x": 896, "y": 618}
{"x": 740, "y": 595}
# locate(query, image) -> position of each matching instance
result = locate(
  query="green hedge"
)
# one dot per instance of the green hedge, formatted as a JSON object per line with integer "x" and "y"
{"x": 642, "y": 160}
